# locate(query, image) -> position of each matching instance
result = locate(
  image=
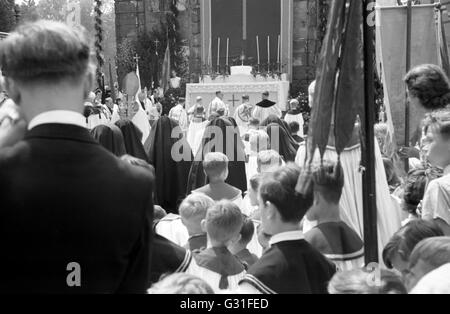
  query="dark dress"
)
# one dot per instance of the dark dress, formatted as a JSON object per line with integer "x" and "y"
{"x": 212, "y": 143}
{"x": 133, "y": 139}
{"x": 171, "y": 175}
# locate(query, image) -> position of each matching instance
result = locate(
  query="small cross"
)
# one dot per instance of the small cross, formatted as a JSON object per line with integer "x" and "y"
{"x": 136, "y": 58}
{"x": 233, "y": 100}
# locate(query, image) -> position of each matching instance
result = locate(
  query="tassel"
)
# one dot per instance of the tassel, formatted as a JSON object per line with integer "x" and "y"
{"x": 223, "y": 284}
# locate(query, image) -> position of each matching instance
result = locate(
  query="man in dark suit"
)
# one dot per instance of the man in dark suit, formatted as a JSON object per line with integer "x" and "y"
{"x": 73, "y": 217}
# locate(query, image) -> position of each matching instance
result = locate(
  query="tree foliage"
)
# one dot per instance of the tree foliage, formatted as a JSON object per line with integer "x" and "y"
{"x": 7, "y": 19}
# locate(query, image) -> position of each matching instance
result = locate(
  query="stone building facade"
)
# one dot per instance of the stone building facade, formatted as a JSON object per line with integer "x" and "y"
{"x": 303, "y": 38}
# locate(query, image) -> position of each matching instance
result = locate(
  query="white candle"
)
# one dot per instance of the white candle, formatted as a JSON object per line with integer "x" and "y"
{"x": 257, "y": 48}
{"x": 279, "y": 48}
{"x": 218, "y": 51}
{"x": 268, "y": 50}
{"x": 209, "y": 53}
{"x": 228, "y": 48}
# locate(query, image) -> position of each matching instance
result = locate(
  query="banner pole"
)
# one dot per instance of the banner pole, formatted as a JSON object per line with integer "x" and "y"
{"x": 408, "y": 67}
{"x": 368, "y": 149}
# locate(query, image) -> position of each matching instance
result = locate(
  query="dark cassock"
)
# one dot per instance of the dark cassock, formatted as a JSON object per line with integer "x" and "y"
{"x": 290, "y": 266}
{"x": 132, "y": 137}
{"x": 171, "y": 171}
{"x": 111, "y": 138}
{"x": 281, "y": 142}
{"x": 167, "y": 258}
{"x": 227, "y": 142}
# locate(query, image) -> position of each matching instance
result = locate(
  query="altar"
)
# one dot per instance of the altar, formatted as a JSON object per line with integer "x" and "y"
{"x": 239, "y": 83}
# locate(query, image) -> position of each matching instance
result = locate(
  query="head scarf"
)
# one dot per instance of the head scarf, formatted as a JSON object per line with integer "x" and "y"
{"x": 211, "y": 143}
{"x": 111, "y": 138}
{"x": 132, "y": 138}
{"x": 286, "y": 147}
{"x": 171, "y": 175}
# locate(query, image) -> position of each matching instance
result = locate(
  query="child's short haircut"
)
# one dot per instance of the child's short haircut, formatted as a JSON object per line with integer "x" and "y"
{"x": 215, "y": 164}
{"x": 269, "y": 158}
{"x": 223, "y": 221}
{"x": 247, "y": 230}
{"x": 278, "y": 188}
{"x": 294, "y": 126}
{"x": 328, "y": 180}
{"x": 181, "y": 283}
{"x": 195, "y": 205}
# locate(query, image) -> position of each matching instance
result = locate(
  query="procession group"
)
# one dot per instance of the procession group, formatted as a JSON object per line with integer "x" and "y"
{"x": 100, "y": 194}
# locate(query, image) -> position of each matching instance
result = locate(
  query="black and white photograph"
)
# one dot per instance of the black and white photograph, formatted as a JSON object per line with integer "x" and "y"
{"x": 216, "y": 152}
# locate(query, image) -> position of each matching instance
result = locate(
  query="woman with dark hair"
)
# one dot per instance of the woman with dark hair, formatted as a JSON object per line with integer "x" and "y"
{"x": 171, "y": 170}
{"x": 414, "y": 189}
{"x": 111, "y": 138}
{"x": 220, "y": 136}
{"x": 428, "y": 86}
{"x": 281, "y": 143}
{"x": 132, "y": 137}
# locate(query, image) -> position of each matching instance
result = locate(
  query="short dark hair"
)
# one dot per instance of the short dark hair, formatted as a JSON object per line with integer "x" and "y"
{"x": 414, "y": 190}
{"x": 279, "y": 188}
{"x": 294, "y": 126}
{"x": 218, "y": 92}
{"x": 430, "y": 85}
{"x": 247, "y": 230}
{"x": 405, "y": 240}
{"x": 328, "y": 180}
{"x": 45, "y": 51}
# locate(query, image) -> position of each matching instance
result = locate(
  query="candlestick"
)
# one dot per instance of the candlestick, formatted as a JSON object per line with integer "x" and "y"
{"x": 209, "y": 62}
{"x": 257, "y": 48}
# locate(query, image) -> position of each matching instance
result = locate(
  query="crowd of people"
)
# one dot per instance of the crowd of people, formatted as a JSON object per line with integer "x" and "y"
{"x": 149, "y": 196}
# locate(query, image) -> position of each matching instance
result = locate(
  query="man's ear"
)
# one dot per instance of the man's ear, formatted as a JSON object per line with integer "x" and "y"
{"x": 236, "y": 239}
{"x": 271, "y": 211}
{"x": 203, "y": 225}
{"x": 13, "y": 90}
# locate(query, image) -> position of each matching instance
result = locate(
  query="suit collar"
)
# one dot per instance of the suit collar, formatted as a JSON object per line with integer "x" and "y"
{"x": 60, "y": 131}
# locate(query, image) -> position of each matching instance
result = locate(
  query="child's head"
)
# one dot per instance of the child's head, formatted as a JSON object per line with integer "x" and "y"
{"x": 181, "y": 283}
{"x": 328, "y": 180}
{"x": 414, "y": 190}
{"x": 253, "y": 191}
{"x": 294, "y": 126}
{"x": 223, "y": 224}
{"x": 268, "y": 161}
{"x": 193, "y": 210}
{"x": 215, "y": 166}
{"x": 280, "y": 204}
{"x": 247, "y": 233}
{"x": 397, "y": 252}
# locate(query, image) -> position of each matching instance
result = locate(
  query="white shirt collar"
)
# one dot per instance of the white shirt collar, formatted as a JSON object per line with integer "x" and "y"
{"x": 59, "y": 117}
{"x": 286, "y": 236}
